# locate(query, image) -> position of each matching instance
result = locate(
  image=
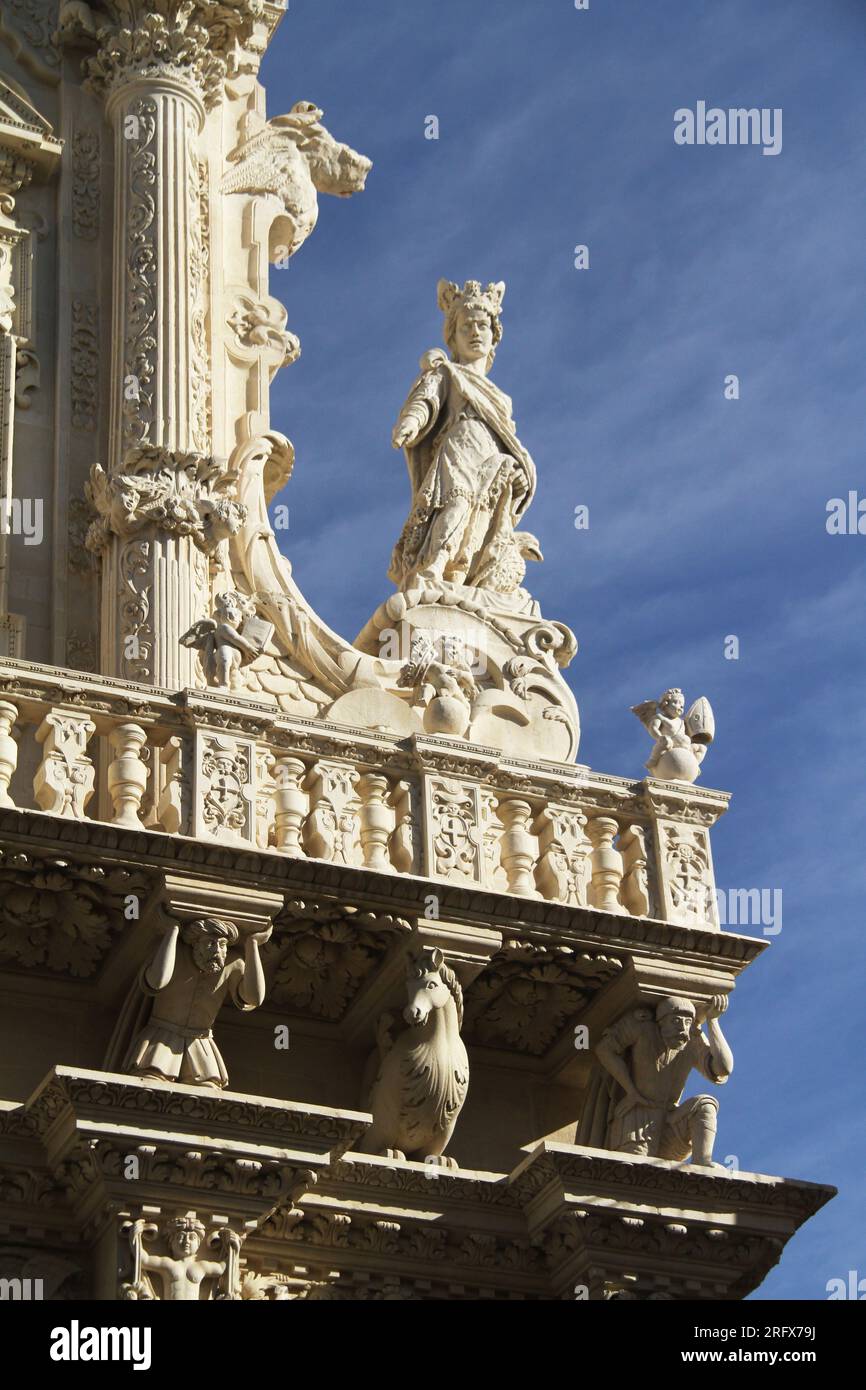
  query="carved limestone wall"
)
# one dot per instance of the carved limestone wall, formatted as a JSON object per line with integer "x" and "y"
{"x": 229, "y": 772}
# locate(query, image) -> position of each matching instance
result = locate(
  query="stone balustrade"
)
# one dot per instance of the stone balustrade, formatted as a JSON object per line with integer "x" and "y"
{"x": 224, "y": 768}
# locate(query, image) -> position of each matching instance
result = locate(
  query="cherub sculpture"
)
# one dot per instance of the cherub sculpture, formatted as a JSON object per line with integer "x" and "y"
{"x": 680, "y": 743}
{"x": 182, "y": 1272}
{"x": 224, "y": 646}
{"x": 648, "y": 1056}
{"x": 188, "y": 980}
{"x": 440, "y": 675}
{"x": 471, "y": 477}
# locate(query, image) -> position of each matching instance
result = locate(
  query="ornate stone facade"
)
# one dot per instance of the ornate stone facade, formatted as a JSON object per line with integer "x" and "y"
{"x": 450, "y": 947}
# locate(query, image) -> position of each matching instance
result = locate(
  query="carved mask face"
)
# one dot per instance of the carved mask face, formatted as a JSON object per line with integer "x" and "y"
{"x": 473, "y": 335}
{"x": 209, "y": 954}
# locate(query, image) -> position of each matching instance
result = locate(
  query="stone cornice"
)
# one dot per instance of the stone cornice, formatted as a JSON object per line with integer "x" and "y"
{"x": 94, "y": 1098}
{"x": 549, "y": 1164}
{"x": 28, "y": 147}
{"x": 404, "y": 894}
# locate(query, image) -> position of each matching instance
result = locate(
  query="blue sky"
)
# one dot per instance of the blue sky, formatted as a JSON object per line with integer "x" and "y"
{"x": 707, "y": 516}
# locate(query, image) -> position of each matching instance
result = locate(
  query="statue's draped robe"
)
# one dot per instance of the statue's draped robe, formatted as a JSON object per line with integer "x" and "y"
{"x": 467, "y": 448}
{"x": 169, "y": 1031}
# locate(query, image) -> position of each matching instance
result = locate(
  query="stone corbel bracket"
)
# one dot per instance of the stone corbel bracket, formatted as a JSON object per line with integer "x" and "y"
{"x": 111, "y": 1145}
{"x": 614, "y": 1225}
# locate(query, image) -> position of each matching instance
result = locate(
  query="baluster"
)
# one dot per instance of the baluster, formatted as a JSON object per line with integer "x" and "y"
{"x": 376, "y": 821}
{"x": 127, "y": 774}
{"x": 519, "y": 848}
{"x": 291, "y": 805}
{"x": 8, "y": 750}
{"x": 607, "y": 865}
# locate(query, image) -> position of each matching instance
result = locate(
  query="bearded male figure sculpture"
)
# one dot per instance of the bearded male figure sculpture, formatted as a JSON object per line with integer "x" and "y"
{"x": 635, "y": 1104}
{"x": 188, "y": 979}
{"x": 471, "y": 478}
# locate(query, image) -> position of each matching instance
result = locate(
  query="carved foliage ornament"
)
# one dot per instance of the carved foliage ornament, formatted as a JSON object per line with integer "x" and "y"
{"x": 320, "y": 955}
{"x": 86, "y": 167}
{"x": 179, "y": 38}
{"x": 527, "y": 994}
{"x": 58, "y": 915}
{"x": 162, "y": 489}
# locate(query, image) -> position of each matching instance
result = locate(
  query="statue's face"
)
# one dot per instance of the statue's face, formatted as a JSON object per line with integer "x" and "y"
{"x": 673, "y": 706}
{"x": 209, "y": 953}
{"x": 184, "y": 1244}
{"x": 675, "y": 1027}
{"x": 231, "y": 612}
{"x": 473, "y": 335}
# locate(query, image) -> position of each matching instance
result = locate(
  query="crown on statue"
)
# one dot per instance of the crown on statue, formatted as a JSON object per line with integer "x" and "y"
{"x": 452, "y": 299}
{"x": 185, "y": 1223}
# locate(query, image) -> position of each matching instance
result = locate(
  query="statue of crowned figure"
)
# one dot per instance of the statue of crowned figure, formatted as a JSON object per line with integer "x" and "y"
{"x": 472, "y": 480}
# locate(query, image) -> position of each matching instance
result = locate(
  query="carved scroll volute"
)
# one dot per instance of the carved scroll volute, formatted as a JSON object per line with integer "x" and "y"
{"x": 635, "y": 884}
{"x": 8, "y": 750}
{"x": 607, "y": 865}
{"x": 63, "y": 784}
{"x": 377, "y": 821}
{"x": 291, "y": 805}
{"x": 127, "y": 774}
{"x": 519, "y": 847}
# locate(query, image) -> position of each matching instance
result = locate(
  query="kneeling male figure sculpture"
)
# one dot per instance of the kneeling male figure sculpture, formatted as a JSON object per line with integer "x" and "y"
{"x": 651, "y": 1055}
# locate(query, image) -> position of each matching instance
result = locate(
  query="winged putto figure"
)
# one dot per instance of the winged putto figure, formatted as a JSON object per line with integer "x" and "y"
{"x": 680, "y": 742}
{"x": 224, "y": 645}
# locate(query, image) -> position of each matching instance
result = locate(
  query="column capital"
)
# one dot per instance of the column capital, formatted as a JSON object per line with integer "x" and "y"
{"x": 193, "y": 43}
{"x": 170, "y": 490}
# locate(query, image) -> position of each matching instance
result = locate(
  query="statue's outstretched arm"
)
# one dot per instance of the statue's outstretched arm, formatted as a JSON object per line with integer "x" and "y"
{"x": 422, "y": 405}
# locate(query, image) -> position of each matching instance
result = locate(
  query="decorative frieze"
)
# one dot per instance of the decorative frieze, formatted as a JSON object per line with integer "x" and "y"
{"x": 86, "y": 175}
{"x": 84, "y": 364}
{"x": 222, "y": 770}
{"x": 64, "y": 781}
{"x": 225, "y": 788}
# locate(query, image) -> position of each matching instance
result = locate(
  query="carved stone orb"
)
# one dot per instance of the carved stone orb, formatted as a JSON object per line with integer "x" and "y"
{"x": 445, "y": 714}
{"x": 677, "y": 765}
